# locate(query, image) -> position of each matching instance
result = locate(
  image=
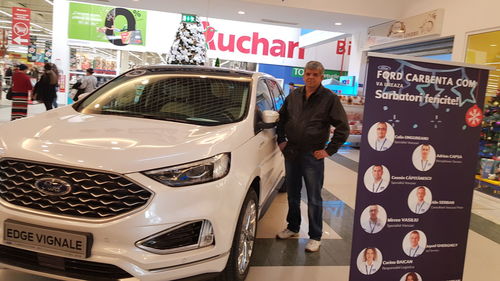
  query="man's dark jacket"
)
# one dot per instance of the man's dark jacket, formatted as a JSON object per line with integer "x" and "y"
{"x": 305, "y": 124}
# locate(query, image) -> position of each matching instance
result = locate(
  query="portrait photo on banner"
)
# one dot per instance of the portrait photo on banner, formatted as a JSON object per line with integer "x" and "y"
{"x": 381, "y": 136}
{"x": 414, "y": 243}
{"x": 369, "y": 260}
{"x": 377, "y": 178}
{"x": 420, "y": 199}
{"x": 424, "y": 157}
{"x": 373, "y": 219}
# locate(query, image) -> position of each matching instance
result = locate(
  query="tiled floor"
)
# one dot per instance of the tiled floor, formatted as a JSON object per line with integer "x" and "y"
{"x": 286, "y": 260}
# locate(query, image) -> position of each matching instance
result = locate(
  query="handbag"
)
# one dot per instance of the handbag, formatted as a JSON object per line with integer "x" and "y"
{"x": 9, "y": 94}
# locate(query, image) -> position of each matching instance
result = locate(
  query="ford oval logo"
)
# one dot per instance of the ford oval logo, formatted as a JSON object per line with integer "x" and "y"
{"x": 384, "y": 67}
{"x": 53, "y": 186}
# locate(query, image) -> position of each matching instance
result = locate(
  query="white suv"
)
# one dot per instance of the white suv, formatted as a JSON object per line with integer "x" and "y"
{"x": 160, "y": 174}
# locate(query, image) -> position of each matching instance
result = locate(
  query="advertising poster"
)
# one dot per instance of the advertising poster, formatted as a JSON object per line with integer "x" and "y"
{"x": 118, "y": 26}
{"x": 416, "y": 171}
{"x": 21, "y": 20}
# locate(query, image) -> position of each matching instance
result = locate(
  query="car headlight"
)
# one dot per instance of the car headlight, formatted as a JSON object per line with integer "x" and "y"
{"x": 205, "y": 170}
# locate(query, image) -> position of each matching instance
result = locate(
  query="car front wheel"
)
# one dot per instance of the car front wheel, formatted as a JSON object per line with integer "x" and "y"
{"x": 243, "y": 242}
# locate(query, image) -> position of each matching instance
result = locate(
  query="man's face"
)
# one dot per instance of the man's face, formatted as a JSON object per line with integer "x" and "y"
{"x": 373, "y": 213}
{"x": 414, "y": 238}
{"x": 381, "y": 130}
{"x": 425, "y": 151}
{"x": 377, "y": 173}
{"x": 312, "y": 78}
{"x": 421, "y": 194}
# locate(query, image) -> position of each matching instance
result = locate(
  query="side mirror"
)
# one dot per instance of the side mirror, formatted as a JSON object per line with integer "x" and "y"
{"x": 269, "y": 119}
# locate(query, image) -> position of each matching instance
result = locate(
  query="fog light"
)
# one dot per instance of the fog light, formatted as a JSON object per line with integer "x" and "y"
{"x": 184, "y": 237}
{"x": 207, "y": 235}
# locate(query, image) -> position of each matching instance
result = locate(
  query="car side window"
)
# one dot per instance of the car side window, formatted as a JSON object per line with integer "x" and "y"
{"x": 264, "y": 100}
{"x": 276, "y": 93}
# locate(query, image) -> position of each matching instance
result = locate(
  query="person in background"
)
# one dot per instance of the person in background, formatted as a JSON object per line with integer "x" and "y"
{"x": 303, "y": 137}
{"x": 56, "y": 71}
{"x": 21, "y": 86}
{"x": 89, "y": 81}
{"x": 291, "y": 87}
{"x": 34, "y": 73}
{"x": 46, "y": 87}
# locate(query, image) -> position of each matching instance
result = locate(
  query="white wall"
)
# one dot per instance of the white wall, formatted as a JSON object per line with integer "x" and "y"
{"x": 460, "y": 17}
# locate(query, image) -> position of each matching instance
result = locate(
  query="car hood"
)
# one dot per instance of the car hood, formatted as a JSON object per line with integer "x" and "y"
{"x": 113, "y": 143}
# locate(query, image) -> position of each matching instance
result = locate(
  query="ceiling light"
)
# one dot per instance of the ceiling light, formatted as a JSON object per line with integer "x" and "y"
{"x": 39, "y": 26}
{"x": 493, "y": 45}
{"x": 241, "y": 12}
{"x": 5, "y": 13}
{"x": 338, "y": 23}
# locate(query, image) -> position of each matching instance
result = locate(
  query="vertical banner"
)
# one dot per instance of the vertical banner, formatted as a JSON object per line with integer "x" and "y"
{"x": 20, "y": 26}
{"x": 416, "y": 170}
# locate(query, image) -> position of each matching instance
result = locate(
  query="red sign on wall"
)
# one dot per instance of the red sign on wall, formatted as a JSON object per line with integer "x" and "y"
{"x": 20, "y": 26}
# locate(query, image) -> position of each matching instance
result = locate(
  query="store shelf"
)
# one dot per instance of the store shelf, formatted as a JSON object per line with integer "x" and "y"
{"x": 95, "y": 74}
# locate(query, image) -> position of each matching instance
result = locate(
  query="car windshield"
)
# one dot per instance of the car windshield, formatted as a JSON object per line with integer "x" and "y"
{"x": 196, "y": 99}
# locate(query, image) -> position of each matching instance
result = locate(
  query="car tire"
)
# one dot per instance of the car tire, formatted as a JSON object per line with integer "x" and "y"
{"x": 243, "y": 242}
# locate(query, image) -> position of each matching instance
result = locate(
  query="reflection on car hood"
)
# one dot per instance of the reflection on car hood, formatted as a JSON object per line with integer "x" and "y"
{"x": 113, "y": 143}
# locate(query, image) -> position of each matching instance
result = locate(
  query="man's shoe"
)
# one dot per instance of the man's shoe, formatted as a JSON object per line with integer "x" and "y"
{"x": 287, "y": 233}
{"x": 313, "y": 246}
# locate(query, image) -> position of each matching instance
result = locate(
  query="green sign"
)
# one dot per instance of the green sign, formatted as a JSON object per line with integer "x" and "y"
{"x": 119, "y": 26}
{"x": 188, "y": 18}
{"x": 335, "y": 74}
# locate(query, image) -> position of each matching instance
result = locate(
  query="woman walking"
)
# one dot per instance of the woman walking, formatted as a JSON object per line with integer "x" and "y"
{"x": 46, "y": 87}
{"x": 56, "y": 71}
{"x": 21, "y": 86}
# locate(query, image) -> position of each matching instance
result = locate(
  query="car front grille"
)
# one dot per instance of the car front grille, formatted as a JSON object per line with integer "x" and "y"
{"x": 94, "y": 195}
{"x": 67, "y": 267}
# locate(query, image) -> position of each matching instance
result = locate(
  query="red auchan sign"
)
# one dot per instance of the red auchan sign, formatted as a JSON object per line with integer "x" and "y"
{"x": 253, "y": 44}
{"x": 20, "y": 26}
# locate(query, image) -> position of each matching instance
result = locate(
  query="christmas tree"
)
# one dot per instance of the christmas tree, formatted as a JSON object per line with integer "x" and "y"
{"x": 189, "y": 45}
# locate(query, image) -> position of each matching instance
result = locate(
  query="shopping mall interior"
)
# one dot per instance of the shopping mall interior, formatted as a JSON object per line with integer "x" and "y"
{"x": 279, "y": 37}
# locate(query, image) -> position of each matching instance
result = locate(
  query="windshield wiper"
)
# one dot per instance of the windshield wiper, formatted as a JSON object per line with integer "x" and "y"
{"x": 141, "y": 115}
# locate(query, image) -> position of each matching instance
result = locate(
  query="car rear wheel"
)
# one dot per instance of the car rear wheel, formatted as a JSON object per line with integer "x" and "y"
{"x": 243, "y": 242}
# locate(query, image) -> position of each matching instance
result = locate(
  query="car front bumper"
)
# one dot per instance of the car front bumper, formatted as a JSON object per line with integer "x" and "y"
{"x": 114, "y": 240}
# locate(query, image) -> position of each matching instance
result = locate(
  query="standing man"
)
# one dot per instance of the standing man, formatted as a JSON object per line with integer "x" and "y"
{"x": 291, "y": 87}
{"x": 89, "y": 82}
{"x": 303, "y": 133}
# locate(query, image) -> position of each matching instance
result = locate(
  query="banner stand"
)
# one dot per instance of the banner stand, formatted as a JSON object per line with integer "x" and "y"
{"x": 416, "y": 170}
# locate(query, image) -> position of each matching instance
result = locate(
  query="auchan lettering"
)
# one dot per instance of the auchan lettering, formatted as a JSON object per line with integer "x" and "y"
{"x": 254, "y": 44}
